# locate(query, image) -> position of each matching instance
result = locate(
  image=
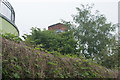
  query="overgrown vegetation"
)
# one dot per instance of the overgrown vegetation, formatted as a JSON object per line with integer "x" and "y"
{"x": 95, "y": 36}
{"x": 21, "y": 61}
{"x": 11, "y": 37}
{"x": 88, "y": 35}
{"x": 76, "y": 53}
{"x": 52, "y": 41}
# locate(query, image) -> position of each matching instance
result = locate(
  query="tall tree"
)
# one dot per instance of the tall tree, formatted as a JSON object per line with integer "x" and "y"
{"x": 92, "y": 32}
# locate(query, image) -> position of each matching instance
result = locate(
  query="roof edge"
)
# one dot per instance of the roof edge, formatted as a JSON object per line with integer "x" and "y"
{"x": 55, "y": 24}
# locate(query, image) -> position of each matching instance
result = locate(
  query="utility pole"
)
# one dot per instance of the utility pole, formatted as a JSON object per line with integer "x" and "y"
{"x": 119, "y": 21}
{"x": 118, "y": 38}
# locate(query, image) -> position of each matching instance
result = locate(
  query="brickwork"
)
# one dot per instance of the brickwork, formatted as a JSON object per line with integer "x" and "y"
{"x": 57, "y": 26}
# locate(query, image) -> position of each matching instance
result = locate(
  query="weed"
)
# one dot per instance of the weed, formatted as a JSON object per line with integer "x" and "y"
{"x": 52, "y": 63}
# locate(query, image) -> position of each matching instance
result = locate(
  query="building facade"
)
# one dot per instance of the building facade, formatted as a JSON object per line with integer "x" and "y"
{"x": 7, "y": 18}
{"x": 59, "y": 27}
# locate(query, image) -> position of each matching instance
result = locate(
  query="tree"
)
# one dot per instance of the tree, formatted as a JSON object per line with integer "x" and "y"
{"x": 92, "y": 32}
{"x": 50, "y": 40}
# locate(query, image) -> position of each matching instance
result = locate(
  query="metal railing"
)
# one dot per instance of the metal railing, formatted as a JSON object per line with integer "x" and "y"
{"x": 6, "y": 8}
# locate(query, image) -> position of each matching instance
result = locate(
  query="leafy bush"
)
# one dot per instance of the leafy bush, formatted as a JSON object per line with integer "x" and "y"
{"x": 11, "y": 37}
{"x": 52, "y": 41}
{"x": 18, "y": 61}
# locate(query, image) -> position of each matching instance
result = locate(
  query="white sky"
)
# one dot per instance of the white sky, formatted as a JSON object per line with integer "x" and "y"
{"x": 43, "y": 13}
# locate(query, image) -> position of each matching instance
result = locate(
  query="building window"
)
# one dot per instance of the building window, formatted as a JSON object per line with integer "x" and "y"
{"x": 59, "y": 30}
{"x": 5, "y": 11}
{"x": 13, "y": 17}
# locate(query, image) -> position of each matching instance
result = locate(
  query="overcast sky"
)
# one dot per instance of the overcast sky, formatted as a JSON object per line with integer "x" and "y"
{"x": 43, "y": 13}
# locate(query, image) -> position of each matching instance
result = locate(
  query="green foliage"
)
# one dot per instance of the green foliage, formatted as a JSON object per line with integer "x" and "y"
{"x": 90, "y": 35}
{"x": 25, "y": 62}
{"x": 16, "y": 75}
{"x": 11, "y": 37}
{"x": 52, "y": 63}
{"x": 85, "y": 70}
{"x": 71, "y": 55}
{"x": 52, "y": 41}
{"x": 93, "y": 34}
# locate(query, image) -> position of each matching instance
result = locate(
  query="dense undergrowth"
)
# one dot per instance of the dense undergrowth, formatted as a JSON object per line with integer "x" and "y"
{"x": 21, "y": 61}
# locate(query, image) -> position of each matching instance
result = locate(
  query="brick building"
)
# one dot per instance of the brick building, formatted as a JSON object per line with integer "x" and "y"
{"x": 59, "y": 27}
